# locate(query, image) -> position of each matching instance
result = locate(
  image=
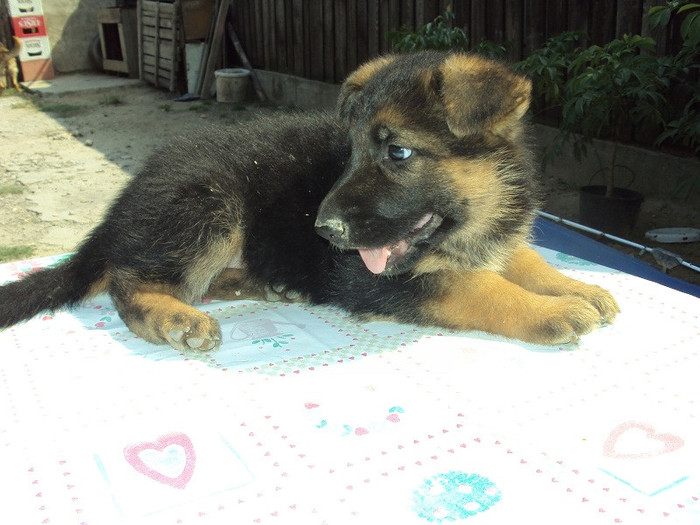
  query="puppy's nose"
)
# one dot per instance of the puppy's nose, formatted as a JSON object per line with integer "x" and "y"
{"x": 331, "y": 229}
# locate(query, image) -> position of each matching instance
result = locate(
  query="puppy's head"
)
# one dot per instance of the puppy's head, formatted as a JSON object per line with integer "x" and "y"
{"x": 429, "y": 135}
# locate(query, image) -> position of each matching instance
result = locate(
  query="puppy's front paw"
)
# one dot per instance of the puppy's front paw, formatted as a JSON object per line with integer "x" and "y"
{"x": 602, "y": 300}
{"x": 563, "y": 320}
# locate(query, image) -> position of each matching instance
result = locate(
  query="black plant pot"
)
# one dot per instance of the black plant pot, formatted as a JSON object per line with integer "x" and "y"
{"x": 616, "y": 215}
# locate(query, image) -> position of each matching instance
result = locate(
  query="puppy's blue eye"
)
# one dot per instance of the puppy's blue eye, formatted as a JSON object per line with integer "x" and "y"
{"x": 399, "y": 152}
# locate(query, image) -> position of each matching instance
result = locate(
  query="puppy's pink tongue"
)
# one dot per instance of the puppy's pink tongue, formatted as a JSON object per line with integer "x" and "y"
{"x": 375, "y": 259}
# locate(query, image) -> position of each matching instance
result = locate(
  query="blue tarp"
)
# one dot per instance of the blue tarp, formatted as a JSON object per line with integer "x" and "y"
{"x": 560, "y": 238}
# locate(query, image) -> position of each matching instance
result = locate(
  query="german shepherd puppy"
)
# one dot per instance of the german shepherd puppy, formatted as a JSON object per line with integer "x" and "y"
{"x": 413, "y": 203}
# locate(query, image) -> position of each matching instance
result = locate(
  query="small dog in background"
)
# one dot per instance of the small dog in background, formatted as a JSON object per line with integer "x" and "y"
{"x": 8, "y": 65}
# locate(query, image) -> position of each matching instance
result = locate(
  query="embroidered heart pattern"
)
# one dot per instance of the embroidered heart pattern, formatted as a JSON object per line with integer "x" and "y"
{"x": 169, "y": 460}
{"x": 632, "y": 440}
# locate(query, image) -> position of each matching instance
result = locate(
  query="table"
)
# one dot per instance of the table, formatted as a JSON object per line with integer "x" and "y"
{"x": 305, "y": 416}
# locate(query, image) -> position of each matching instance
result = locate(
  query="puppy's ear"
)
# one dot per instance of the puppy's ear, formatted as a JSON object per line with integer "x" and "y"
{"x": 480, "y": 95}
{"x": 349, "y": 92}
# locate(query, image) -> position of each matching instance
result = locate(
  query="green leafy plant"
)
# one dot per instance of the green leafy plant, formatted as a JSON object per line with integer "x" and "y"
{"x": 610, "y": 89}
{"x": 661, "y": 15}
{"x": 548, "y": 67}
{"x": 685, "y": 129}
{"x": 438, "y": 34}
{"x": 491, "y": 49}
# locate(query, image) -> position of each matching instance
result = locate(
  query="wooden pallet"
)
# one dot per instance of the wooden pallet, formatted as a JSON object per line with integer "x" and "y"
{"x": 159, "y": 41}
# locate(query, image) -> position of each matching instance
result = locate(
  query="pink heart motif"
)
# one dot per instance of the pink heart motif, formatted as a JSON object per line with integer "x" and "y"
{"x": 647, "y": 442}
{"x": 394, "y": 418}
{"x": 169, "y": 460}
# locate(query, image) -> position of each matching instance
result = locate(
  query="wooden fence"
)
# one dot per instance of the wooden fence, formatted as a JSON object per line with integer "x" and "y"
{"x": 326, "y": 39}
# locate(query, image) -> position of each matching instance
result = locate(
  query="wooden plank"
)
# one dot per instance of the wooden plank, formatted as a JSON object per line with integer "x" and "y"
{"x": 344, "y": 40}
{"x": 149, "y": 7}
{"x": 315, "y": 43}
{"x": 431, "y": 9}
{"x": 289, "y": 31}
{"x": 246, "y": 63}
{"x": 206, "y": 51}
{"x": 384, "y": 27}
{"x": 109, "y": 16}
{"x": 351, "y": 28}
{"x": 139, "y": 28}
{"x": 333, "y": 45}
{"x": 215, "y": 51}
{"x": 259, "y": 38}
{"x": 372, "y": 28}
{"x": 514, "y": 28}
{"x": 298, "y": 37}
{"x": 535, "y": 16}
{"x": 393, "y": 20}
{"x": 407, "y": 15}
{"x": 149, "y": 47}
{"x": 157, "y": 37}
{"x": 162, "y": 68}
{"x": 557, "y": 17}
{"x": 420, "y": 13}
{"x": 165, "y": 22}
{"x": 478, "y": 22}
{"x": 495, "y": 26}
{"x": 362, "y": 28}
{"x": 280, "y": 38}
{"x": 269, "y": 45}
{"x": 578, "y": 19}
{"x": 628, "y": 17}
{"x": 165, "y": 34}
{"x": 462, "y": 11}
{"x": 602, "y": 21}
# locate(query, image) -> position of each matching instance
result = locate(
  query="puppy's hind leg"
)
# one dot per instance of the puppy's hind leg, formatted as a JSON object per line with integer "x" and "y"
{"x": 153, "y": 312}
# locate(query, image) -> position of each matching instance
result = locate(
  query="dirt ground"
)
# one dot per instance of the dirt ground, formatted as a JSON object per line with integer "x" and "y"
{"x": 63, "y": 158}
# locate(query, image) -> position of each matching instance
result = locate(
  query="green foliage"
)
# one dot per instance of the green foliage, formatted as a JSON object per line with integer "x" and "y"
{"x": 491, "y": 49}
{"x": 661, "y": 15}
{"x": 548, "y": 68}
{"x": 441, "y": 35}
{"x": 614, "y": 86}
{"x": 438, "y": 34}
{"x": 685, "y": 129}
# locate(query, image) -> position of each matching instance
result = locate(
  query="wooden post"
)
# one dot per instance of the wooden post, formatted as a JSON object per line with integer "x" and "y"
{"x": 215, "y": 50}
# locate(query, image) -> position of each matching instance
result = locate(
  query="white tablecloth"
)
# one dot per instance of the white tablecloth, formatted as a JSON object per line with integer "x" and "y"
{"x": 305, "y": 416}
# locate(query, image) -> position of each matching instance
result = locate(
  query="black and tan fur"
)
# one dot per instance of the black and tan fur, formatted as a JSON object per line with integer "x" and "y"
{"x": 425, "y": 169}
{"x": 9, "y": 71}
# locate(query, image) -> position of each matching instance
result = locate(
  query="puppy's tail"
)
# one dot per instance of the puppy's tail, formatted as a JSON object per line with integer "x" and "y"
{"x": 14, "y": 52}
{"x": 83, "y": 274}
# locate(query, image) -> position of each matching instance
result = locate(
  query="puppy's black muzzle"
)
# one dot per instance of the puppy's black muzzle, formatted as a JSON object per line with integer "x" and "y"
{"x": 332, "y": 230}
